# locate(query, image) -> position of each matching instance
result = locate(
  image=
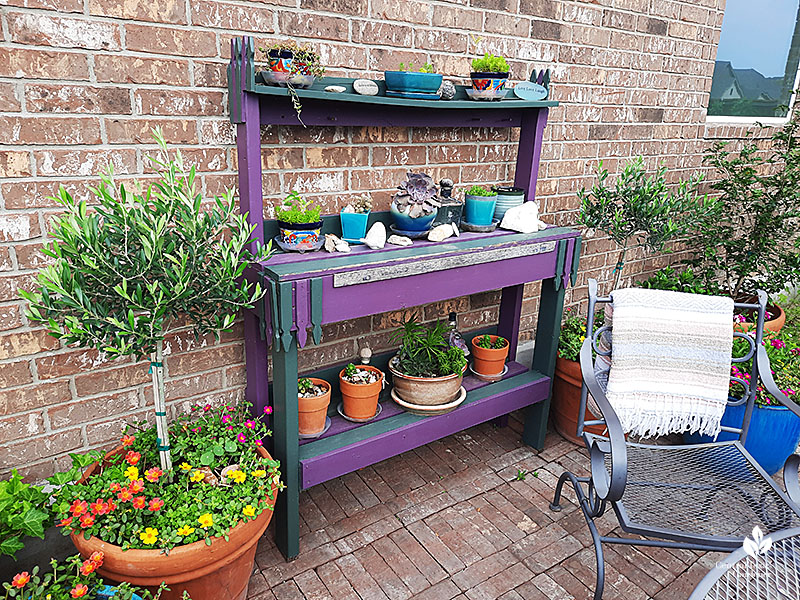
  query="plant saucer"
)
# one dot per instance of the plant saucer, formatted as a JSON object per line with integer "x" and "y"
{"x": 414, "y": 235}
{"x": 289, "y": 248}
{"x": 464, "y": 226}
{"x": 486, "y": 94}
{"x": 340, "y": 408}
{"x": 313, "y": 436}
{"x": 489, "y": 378}
{"x": 429, "y": 410}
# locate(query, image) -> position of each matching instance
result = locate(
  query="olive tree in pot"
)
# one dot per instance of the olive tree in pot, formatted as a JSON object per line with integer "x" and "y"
{"x": 123, "y": 276}
{"x": 426, "y": 370}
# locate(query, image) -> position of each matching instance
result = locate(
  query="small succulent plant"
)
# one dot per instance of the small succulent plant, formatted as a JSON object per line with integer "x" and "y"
{"x": 361, "y": 204}
{"x": 417, "y": 196}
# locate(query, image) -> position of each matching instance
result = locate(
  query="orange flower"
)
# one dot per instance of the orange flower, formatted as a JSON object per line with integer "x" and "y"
{"x": 155, "y": 504}
{"x": 115, "y": 487}
{"x": 20, "y": 579}
{"x": 87, "y": 521}
{"x": 132, "y": 457}
{"x": 127, "y": 440}
{"x": 99, "y": 507}
{"x": 136, "y": 486}
{"x": 88, "y": 567}
{"x": 97, "y": 558}
{"x": 64, "y": 522}
{"x": 79, "y": 591}
{"x": 124, "y": 495}
{"x": 78, "y": 508}
{"x": 139, "y": 502}
{"x": 111, "y": 505}
{"x": 153, "y": 474}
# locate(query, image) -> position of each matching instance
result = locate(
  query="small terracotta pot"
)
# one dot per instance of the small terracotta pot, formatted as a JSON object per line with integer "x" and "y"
{"x": 360, "y": 400}
{"x": 566, "y": 401}
{"x": 312, "y": 411}
{"x": 488, "y": 361}
{"x": 428, "y": 391}
{"x": 220, "y": 571}
{"x": 775, "y": 324}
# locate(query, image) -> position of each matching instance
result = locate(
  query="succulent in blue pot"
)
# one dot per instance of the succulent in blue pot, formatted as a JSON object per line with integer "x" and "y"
{"x": 416, "y": 202}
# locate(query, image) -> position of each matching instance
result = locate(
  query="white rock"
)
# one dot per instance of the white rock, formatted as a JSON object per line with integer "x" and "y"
{"x": 523, "y": 218}
{"x": 456, "y": 232}
{"x": 399, "y": 240}
{"x": 365, "y": 87}
{"x": 348, "y": 209}
{"x": 330, "y": 242}
{"x": 338, "y": 89}
{"x": 376, "y": 236}
{"x": 542, "y": 225}
{"x": 440, "y": 232}
{"x": 342, "y": 246}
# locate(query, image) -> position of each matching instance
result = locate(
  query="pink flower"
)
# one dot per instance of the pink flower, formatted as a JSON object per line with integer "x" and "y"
{"x": 241, "y": 437}
{"x": 196, "y": 429}
{"x": 268, "y": 409}
{"x": 767, "y": 315}
{"x": 229, "y": 427}
{"x": 249, "y": 424}
{"x": 259, "y": 443}
{"x": 777, "y": 343}
{"x": 738, "y": 318}
{"x": 795, "y": 351}
{"x": 207, "y": 407}
{"x": 226, "y": 419}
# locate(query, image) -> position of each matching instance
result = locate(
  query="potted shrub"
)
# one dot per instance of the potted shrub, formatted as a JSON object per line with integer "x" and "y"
{"x": 489, "y": 354}
{"x": 406, "y": 80}
{"x": 122, "y": 278}
{"x": 489, "y": 74}
{"x": 313, "y": 398}
{"x": 299, "y": 223}
{"x": 415, "y": 205}
{"x": 355, "y": 218}
{"x": 426, "y": 370}
{"x": 479, "y": 205}
{"x": 361, "y": 386}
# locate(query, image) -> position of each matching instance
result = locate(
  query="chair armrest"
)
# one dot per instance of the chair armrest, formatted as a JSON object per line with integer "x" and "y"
{"x": 765, "y": 374}
{"x": 791, "y": 478}
{"x": 608, "y": 487}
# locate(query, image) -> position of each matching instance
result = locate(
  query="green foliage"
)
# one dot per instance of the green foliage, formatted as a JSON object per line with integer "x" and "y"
{"x": 425, "y": 352}
{"x": 489, "y": 63}
{"x": 479, "y": 190}
{"x": 521, "y": 475}
{"x": 296, "y": 209}
{"x": 485, "y": 341}
{"x": 218, "y": 473}
{"x": 573, "y": 332}
{"x": 306, "y": 61}
{"x": 350, "y": 370}
{"x": 23, "y": 512}
{"x": 426, "y": 68}
{"x": 754, "y": 245}
{"x": 305, "y": 385}
{"x": 122, "y": 272}
{"x": 678, "y": 281}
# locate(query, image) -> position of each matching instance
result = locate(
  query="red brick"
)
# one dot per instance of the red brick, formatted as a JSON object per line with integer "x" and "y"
{"x": 140, "y": 131}
{"x": 9, "y": 99}
{"x": 65, "y": 6}
{"x": 179, "y": 102}
{"x": 33, "y": 449}
{"x": 50, "y": 130}
{"x": 14, "y": 163}
{"x": 27, "y": 398}
{"x": 21, "y": 427}
{"x": 193, "y": 386}
{"x": 97, "y": 381}
{"x": 16, "y": 373}
{"x": 282, "y": 158}
{"x": 336, "y": 156}
{"x": 129, "y": 69}
{"x": 86, "y": 163}
{"x": 83, "y": 411}
{"x": 66, "y": 32}
{"x": 10, "y": 317}
{"x": 208, "y": 74}
{"x": 224, "y": 15}
{"x": 184, "y": 363}
{"x": 457, "y": 17}
{"x": 42, "y": 64}
{"x": 70, "y": 363}
{"x": 10, "y": 285}
{"x": 348, "y": 7}
{"x": 383, "y": 34}
{"x": 170, "y": 40}
{"x": 164, "y": 11}
{"x": 315, "y": 26}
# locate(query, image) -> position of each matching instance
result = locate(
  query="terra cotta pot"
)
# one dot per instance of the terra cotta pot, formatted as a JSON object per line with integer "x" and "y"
{"x": 429, "y": 391}
{"x": 312, "y": 411}
{"x": 488, "y": 361}
{"x": 566, "y": 401}
{"x": 360, "y": 400}
{"x": 775, "y": 324}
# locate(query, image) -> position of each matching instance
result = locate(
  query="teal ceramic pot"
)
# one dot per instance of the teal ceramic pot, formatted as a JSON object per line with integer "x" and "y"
{"x": 408, "y": 81}
{"x": 479, "y": 210}
{"x": 354, "y": 225}
{"x": 405, "y": 223}
{"x": 300, "y": 236}
{"x": 507, "y": 197}
{"x": 489, "y": 81}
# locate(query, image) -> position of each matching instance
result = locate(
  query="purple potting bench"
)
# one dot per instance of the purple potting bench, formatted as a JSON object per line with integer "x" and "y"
{"x": 306, "y": 291}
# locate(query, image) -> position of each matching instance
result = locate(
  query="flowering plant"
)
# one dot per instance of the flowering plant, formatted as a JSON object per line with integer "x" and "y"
{"x": 75, "y": 578}
{"x": 784, "y": 357}
{"x": 219, "y": 480}
{"x": 573, "y": 332}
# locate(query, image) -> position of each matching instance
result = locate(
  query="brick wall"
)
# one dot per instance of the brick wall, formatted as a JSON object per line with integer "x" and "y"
{"x": 83, "y": 81}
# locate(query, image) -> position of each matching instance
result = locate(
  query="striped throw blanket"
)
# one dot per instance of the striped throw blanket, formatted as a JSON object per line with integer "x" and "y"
{"x": 670, "y": 361}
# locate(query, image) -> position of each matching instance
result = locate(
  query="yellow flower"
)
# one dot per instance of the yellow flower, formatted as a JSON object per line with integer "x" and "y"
{"x": 132, "y": 473}
{"x": 258, "y": 473}
{"x": 149, "y": 535}
{"x": 185, "y": 466}
{"x": 237, "y": 476}
{"x": 197, "y": 476}
{"x": 186, "y": 530}
{"x": 249, "y": 511}
{"x": 206, "y": 520}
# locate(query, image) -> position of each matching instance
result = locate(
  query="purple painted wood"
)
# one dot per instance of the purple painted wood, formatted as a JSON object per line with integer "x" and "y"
{"x": 508, "y": 324}
{"x": 367, "y": 452}
{"x": 256, "y": 364}
{"x": 530, "y": 150}
{"x": 390, "y": 409}
{"x": 568, "y": 262}
{"x": 301, "y": 310}
{"x": 248, "y": 146}
{"x": 371, "y": 298}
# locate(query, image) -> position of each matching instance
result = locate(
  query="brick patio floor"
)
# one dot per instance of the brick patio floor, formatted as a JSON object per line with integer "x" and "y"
{"x": 449, "y": 521}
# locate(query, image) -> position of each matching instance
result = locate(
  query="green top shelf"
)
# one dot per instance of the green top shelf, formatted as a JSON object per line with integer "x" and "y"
{"x": 461, "y": 100}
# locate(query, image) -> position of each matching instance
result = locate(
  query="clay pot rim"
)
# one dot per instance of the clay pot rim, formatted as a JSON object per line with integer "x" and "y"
{"x": 411, "y": 378}
{"x": 493, "y": 338}
{"x": 316, "y": 381}
{"x": 369, "y": 368}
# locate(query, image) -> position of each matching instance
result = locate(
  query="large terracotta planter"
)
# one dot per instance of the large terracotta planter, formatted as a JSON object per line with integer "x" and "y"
{"x": 312, "y": 411}
{"x": 428, "y": 391}
{"x": 566, "y": 401}
{"x": 360, "y": 400}
{"x": 220, "y": 571}
{"x": 488, "y": 361}
{"x": 775, "y": 324}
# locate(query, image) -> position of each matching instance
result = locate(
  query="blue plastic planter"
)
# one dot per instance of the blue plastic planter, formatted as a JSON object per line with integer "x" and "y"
{"x": 773, "y": 435}
{"x": 479, "y": 210}
{"x": 406, "y": 223}
{"x": 409, "y": 81}
{"x": 354, "y": 225}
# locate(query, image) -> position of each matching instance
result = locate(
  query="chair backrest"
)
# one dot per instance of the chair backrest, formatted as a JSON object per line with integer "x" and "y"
{"x": 754, "y": 339}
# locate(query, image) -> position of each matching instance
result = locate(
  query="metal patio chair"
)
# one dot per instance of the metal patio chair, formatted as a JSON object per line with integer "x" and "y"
{"x": 699, "y": 497}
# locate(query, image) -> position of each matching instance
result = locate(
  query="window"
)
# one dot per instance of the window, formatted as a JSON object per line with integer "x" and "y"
{"x": 755, "y": 73}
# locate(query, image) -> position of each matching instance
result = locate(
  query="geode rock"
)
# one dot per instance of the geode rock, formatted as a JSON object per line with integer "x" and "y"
{"x": 523, "y": 218}
{"x": 447, "y": 90}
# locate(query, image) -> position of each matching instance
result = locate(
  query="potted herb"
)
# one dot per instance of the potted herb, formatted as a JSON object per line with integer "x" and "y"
{"x": 489, "y": 354}
{"x": 685, "y": 281}
{"x": 479, "y": 205}
{"x": 414, "y": 206}
{"x": 426, "y": 370}
{"x": 313, "y": 398}
{"x": 299, "y": 223}
{"x": 361, "y": 386}
{"x": 406, "y": 80}
{"x": 306, "y": 67}
{"x": 124, "y": 276}
{"x": 489, "y": 76}
{"x": 355, "y": 218}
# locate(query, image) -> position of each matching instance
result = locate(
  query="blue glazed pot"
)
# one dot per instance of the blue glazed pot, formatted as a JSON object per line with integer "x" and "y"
{"x": 106, "y": 592}
{"x": 354, "y": 225}
{"x": 404, "y": 222}
{"x": 773, "y": 435}
{"x": 479, "y": 210}
{"x": 409, "y": 81}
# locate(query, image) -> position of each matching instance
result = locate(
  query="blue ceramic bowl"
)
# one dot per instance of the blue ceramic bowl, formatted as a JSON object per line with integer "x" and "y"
{"x": 402, "y": 221}
{"x": 479, "y": 210}
{"x": 408, "y": 81}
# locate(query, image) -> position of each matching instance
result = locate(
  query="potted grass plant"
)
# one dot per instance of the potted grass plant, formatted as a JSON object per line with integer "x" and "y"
{"x": 479, "y": 205}
{"x": 299, "y": 223}
{"x": 489, "y": 353}
{"x": 361, "y": 387}
{"x": 313, "y": 398}
{"x": 123, "y": 276}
